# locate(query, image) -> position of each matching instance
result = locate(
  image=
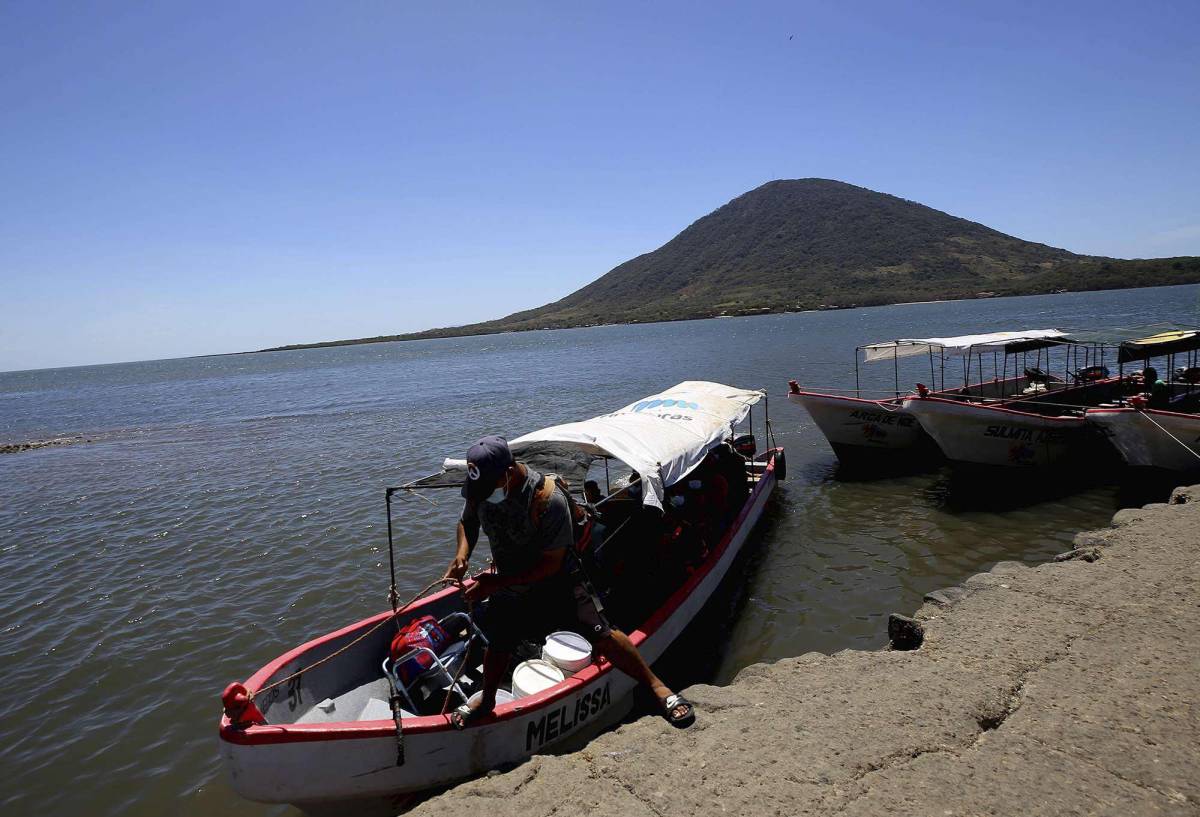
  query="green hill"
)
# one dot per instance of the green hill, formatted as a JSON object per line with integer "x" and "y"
{"x": 817, "y": 243}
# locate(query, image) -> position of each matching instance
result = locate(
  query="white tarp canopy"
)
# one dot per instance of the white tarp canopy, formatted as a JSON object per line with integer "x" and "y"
{"x": 662, "y": 437}
{"x": 961, "y": 345}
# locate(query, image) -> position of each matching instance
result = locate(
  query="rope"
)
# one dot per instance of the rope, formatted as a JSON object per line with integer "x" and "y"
{"x": 466, "y": 655}
{"x": 1186, "y": 447}
{"x": 457, "y": 582}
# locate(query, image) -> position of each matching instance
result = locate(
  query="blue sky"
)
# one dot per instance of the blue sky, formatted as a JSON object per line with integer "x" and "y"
{"x": 183, "y": 179}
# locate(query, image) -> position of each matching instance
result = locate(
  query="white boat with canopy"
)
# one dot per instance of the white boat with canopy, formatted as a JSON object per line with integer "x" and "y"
{"x": 861, "y": 428}
{"x": 332, "y": 721}
{"x": 1033, "y": 419}
{"x": 1156, "y": 423}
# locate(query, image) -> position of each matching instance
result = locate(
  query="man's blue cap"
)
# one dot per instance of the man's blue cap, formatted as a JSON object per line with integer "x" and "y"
{"x": 486, "y": 461}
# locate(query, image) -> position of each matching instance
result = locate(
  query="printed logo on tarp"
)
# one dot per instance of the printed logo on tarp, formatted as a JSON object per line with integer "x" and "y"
{"x": 653, "y": 404}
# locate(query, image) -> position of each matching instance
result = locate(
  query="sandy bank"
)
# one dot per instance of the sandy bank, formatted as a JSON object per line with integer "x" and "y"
{"x": 1067, "y": 688}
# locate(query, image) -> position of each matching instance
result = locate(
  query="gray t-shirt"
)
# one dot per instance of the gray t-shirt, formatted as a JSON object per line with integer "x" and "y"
{"x": 516, "y": 544}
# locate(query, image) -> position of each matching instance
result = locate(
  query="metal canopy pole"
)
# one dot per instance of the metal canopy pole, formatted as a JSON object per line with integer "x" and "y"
{"x": 896, "y": 367}
{"x": 392, "y": 597}
{"x": 857, "y": 387}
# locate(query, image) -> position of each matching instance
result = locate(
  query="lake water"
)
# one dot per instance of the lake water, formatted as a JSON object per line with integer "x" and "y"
{"x": 228, "y": 508}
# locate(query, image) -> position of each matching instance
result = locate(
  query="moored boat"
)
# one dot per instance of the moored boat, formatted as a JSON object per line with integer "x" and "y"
{"x": 329, "y": 722}
{"x": 1151, "y": 438}
{"x": 993, "y": 435}
{"x": 1158, "y": 427}
{"x": 862, "y": 429}
{"x": 1037, "y": 423}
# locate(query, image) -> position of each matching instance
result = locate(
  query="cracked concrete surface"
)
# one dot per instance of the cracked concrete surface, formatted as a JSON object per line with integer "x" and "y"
{"x": 1066, "y": 688}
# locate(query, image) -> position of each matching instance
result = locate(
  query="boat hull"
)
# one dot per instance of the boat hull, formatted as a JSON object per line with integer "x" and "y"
{"x": 980, "y": 435}
{"x": 317, "y": 768}
{"x": 1142, "y": 444}
{"x": 860, "y": 429}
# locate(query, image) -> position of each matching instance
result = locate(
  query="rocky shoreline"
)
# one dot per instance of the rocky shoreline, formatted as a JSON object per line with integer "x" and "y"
{"x": 1065, "y": 688}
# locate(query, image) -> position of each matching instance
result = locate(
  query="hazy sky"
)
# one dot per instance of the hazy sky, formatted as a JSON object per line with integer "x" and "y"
{"x": 180, "y": 179}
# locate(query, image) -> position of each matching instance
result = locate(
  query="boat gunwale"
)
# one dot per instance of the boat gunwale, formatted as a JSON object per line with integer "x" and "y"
{"x": 1131, "y": 410}
{"x": 264, "y": 734}
{"x": 886, "y": 400}
{"x": 998, "y": 408}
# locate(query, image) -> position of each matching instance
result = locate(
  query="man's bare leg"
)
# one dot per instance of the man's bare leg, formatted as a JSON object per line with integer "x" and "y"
{"x": 621, "y": 653}
{"x": 495, "y": 663}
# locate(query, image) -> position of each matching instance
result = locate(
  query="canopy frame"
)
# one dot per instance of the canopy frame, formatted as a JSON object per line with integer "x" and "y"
{"x": 451, "y": 477}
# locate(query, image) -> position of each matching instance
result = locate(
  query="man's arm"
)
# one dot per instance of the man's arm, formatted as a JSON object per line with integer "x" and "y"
{"x": 467, "y": 537}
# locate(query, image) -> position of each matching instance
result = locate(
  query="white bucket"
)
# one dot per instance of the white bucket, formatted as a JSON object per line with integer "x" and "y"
{"x": 502, "y": 697}
{"x": 532, "y": 677}
{"x": 568, "y": 651}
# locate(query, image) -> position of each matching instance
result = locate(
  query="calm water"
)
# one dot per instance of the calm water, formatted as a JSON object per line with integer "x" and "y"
{"x": 229, "y": 508}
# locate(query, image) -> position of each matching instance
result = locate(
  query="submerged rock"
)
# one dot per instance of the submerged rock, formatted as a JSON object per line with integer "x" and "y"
{"x": 16, "y": 448}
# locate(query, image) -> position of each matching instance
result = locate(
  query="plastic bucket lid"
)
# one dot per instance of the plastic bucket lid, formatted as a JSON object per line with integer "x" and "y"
{"x": 534, "y": 676}
{"x": 568, "y": 651}
{"x": 502, "y": 697}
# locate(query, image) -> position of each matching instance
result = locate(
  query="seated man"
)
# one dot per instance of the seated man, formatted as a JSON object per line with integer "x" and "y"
{"x": 592, "y": 495}
{"x": 533, "y": 580}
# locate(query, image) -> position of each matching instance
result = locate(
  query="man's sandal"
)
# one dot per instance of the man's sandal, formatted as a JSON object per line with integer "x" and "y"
{"x": 466, "y": 715}
{"x": 683, "y": 719}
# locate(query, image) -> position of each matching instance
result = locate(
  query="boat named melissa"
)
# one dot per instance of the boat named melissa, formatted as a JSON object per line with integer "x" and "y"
{"x": 334, "y": 720}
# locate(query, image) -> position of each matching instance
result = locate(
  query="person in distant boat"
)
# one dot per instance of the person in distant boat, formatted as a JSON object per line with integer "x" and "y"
{"x": 591, "y": 493}
{"x": 633, "y": 487}
{"x": 533, "y": 582}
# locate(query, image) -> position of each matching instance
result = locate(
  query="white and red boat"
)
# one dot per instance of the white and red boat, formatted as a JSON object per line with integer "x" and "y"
{"x": 865, "y": 429}
{"x": 1049, "y": 425}
{"x": 1159, "y": 427}
{"x": 1151, "y": 438}
{"x": 335, "y": 733}
{"x": 993, "y": 435}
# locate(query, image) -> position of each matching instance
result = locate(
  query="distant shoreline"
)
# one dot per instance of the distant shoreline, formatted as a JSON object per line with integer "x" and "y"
{"x": 438, "y": 334}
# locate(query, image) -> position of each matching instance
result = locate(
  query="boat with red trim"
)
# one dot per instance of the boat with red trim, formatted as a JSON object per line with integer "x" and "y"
{"x": 336, "y": 720}
{"x": 1039, "y": 423}
{"x": 864, "y": 429}
{"x": 1157, "y": 427}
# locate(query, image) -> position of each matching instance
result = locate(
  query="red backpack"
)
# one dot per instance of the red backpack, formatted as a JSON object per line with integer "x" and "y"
{"x": 420, "y": 632}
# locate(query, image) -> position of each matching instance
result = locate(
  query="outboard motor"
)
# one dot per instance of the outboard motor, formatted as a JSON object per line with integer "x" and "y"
{"x": 1090, "y": 374}
{"x": 745, "y": 445}
{"x": 1034, "y": 375}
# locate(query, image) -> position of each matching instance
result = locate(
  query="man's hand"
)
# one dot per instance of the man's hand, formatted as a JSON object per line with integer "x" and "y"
{"x": 457, "y": 569}
{"x": 485, "y": 585}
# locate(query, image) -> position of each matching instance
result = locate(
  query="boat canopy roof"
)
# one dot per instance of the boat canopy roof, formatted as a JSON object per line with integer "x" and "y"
{"x": 663, "y": 437}
{"x": 1164, "y": 343}
{"x": 1143, "y": 341}
{"x": 1008, "y": 342}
